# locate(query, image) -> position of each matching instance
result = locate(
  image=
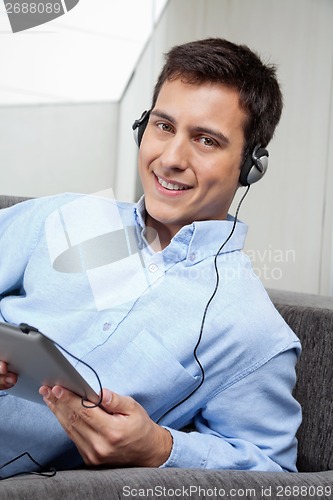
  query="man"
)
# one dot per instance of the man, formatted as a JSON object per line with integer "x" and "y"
{"x": 203, "y": 345}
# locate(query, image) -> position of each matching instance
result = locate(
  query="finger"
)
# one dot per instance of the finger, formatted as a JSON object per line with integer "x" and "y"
{"x": 70, "y": 412}
{"x": 68, "y": 409}
{"x": 7, "y": 379}
{"x": 87, "y": 427}
{"x": 3, "y": 368}
{"x": 59, "y": 399}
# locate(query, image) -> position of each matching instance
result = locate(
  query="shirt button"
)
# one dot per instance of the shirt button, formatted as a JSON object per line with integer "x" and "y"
{"x": 192, "y": 256}
{"x": 106, "y": 327}
{"x": 153, "y": 268}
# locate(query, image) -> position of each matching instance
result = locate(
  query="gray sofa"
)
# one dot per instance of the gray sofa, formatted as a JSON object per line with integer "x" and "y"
{"x": 311, "y": 317}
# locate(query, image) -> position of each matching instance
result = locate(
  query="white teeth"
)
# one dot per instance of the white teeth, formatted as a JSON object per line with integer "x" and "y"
{"x": 169, "y": 185}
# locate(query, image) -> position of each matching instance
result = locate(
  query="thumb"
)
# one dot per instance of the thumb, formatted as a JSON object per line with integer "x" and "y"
{"x": 107, "y": 397}
{"x": 115, "y": 403}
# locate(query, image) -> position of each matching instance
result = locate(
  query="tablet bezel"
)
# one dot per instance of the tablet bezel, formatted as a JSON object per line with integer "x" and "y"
{"x": 37, "y": 361}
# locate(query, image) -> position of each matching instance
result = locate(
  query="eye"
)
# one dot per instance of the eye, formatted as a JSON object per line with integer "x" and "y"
{"x": 165, "y": 127}
{"x": 207, "y": 142}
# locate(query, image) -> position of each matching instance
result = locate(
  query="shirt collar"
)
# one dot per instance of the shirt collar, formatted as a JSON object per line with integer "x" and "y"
{"x": 194, "y": 242}
{"x": 140, "y": 212}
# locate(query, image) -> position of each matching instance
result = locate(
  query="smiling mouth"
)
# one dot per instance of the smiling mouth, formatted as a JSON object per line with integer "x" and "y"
{"x": 170, "y": 185}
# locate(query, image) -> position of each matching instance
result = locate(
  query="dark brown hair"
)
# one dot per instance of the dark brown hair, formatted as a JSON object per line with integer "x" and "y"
{"x": 216, "y": 60}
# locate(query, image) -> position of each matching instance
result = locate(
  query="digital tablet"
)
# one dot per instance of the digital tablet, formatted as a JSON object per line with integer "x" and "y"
{"x": 37, "y": 361}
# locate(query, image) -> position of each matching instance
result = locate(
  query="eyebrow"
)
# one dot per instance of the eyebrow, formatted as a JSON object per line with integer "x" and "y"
{"x": 200, "y": 130}
{"x": 161, "y": 114}
{"x": 203, "y": 130}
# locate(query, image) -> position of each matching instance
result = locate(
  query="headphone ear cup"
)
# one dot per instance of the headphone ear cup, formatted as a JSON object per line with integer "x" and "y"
{"x": 255, "y": 166}
{"x": 139, "y": 127}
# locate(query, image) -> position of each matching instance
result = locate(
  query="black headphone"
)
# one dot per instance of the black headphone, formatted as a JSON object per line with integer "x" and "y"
{"x": 253, "y": 169}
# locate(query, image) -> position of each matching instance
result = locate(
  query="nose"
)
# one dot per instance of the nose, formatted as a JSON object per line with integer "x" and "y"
{"x": 175, "y": 154}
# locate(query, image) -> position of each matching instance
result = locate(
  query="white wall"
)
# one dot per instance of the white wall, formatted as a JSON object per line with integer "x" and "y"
{"x": 83, "y": 147}
{"x": 290, "y": 211}
{"x": 48, "y": 149}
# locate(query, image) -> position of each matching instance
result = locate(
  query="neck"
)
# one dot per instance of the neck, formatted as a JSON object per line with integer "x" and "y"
{"x": 165, "y": 233}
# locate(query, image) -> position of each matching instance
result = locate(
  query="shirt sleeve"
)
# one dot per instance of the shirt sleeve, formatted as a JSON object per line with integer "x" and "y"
{"x": 249, "y": 426}
{"x": 19, "y": 232}
{"x": 16, "y": 237}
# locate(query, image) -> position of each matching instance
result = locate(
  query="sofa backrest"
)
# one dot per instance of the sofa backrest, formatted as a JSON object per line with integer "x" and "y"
{"x": 314, "y": 387}
{"x": 7, "y": 201}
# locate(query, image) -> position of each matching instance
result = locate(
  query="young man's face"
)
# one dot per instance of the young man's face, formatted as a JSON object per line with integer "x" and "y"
{"x": 190, "y": 155}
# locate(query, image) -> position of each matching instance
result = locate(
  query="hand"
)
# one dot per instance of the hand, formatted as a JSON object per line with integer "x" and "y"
{"x": 120, "y": 434}
{"x": 7, "y": 379}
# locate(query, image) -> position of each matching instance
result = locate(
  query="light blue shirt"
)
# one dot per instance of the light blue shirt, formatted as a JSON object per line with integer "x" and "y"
{"x": 135, "y": 315}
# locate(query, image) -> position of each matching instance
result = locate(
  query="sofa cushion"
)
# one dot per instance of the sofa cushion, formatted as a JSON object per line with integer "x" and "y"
{"x": 168, "y": 484}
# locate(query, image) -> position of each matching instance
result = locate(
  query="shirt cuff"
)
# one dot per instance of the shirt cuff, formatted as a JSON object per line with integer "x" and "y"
{"x": 184, "y": 452}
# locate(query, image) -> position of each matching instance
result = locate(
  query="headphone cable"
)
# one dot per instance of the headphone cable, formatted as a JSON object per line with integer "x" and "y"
{"x": 196, "y": 357}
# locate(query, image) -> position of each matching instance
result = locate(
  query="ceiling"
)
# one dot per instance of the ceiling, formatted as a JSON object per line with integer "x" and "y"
{"x": 86, "y": 55}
